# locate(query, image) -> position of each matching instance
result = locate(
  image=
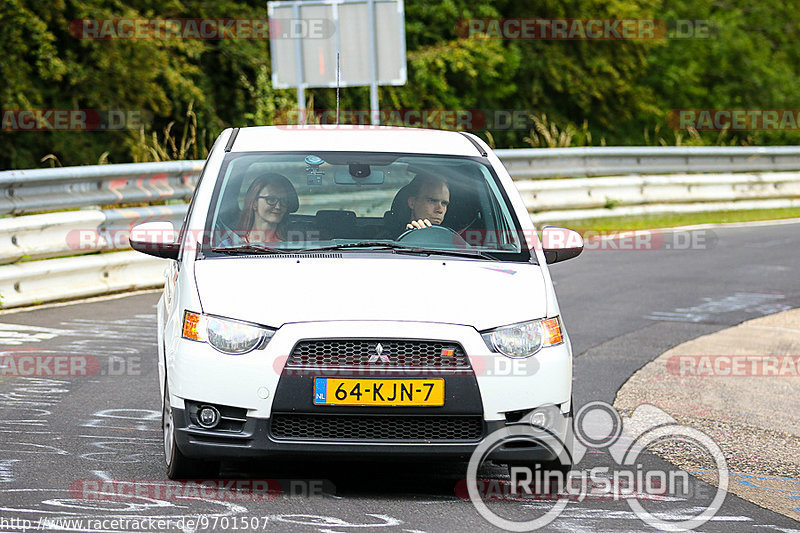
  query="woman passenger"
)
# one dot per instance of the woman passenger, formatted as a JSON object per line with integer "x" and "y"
{"x": 263, "y": 218}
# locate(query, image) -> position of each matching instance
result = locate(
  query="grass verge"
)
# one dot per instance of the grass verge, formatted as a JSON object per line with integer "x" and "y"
{"x": 669, "y": 220}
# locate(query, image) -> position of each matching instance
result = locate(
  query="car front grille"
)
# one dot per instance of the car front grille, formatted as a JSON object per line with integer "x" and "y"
{"x": 376, "y": 427}
{"x": 379, "y": 353}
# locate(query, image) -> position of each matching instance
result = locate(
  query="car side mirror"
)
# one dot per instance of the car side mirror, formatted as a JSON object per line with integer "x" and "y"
{"x": 155, "y": 238}
{"x": 560, "y": 244}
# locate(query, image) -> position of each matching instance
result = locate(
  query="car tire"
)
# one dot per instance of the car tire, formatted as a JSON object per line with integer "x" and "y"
{"x": 178, "y": 465}
{"x": 569, "y": 443}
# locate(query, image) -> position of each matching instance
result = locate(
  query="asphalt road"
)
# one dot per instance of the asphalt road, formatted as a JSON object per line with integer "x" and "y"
{"x": 60, "y": 436}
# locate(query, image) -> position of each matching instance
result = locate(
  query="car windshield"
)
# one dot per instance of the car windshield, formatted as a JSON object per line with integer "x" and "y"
{"x": 280, "y": 202}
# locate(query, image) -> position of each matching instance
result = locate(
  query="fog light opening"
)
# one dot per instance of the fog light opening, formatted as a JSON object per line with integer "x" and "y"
{"x": 539, "y": 419}
{"x": 208, "y": 416}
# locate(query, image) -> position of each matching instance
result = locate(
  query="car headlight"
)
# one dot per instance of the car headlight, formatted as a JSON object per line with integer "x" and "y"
{"x": 226, "y": 335}
{"x": 525, "y": 339}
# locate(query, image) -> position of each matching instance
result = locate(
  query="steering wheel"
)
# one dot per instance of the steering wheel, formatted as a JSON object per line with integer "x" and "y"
{"x": 434, "y": 235}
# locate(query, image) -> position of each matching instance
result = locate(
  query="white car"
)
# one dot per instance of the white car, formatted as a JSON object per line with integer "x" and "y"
{"x": 301, "y": 315}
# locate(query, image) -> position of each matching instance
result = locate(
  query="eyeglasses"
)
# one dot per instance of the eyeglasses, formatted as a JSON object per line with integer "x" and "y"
{"x": 272, "y": 201}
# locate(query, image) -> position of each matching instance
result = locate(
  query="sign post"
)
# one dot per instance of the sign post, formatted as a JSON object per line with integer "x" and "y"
{"x": 307, "y": 35}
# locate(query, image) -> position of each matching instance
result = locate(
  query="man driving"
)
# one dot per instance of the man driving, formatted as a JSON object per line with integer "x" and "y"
{"x": 428, "y": 202}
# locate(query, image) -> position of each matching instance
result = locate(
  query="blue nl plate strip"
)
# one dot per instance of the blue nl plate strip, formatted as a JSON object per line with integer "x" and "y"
{"x": 321, "y": 390}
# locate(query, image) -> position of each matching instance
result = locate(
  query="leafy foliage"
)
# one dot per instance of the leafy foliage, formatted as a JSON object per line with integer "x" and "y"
{"x": 579, "y": 92}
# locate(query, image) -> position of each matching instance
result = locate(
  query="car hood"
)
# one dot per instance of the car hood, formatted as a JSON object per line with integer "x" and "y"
{"x": 276, "y": 290}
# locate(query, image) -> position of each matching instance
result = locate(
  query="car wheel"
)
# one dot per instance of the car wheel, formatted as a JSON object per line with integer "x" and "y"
{"x": 178, "y": 465}
{"x": 565, "y": 464}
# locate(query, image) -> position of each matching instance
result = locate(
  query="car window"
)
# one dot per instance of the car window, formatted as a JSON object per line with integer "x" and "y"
{"x": 314, "y": 200}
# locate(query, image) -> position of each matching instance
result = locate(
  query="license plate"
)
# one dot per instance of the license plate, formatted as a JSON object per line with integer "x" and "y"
{"x": 379, "y": 392}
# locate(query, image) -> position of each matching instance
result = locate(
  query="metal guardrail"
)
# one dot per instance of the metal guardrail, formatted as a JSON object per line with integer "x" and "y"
{"x": 580, "y": 198}
{"x": 602, "y": 182}
{"x": 26, "y": 191}
{"x": 76, "y": 232}
{"x": 640, "y": 160}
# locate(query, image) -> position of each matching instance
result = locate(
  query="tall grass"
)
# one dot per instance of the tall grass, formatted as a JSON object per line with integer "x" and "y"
{"x": 548, "y": 134}
{"x": 149, "y": 146}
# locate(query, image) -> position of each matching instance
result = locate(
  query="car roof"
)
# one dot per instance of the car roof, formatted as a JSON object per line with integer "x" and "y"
{"x": 347, "y": 138}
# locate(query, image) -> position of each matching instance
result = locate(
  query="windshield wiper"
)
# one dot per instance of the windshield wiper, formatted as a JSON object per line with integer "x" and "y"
{"x": 361, "y": 244}
{"x": 248, "y": 249}
{"x": 400, "y": 248}
{"x": 460, "y": 253}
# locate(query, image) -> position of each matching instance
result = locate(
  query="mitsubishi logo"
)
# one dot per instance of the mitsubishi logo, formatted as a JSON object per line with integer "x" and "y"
{"x": 378, "y": 355}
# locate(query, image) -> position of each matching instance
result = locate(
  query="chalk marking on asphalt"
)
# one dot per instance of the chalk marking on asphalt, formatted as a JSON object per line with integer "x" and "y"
{"x": 18, "y": 334}
{"x": 117, "y": 419}
{"x": 16, "y": 431}
{"x": 102, "y": 474}
{"x": 122, "y": 438}
{"x": 679, "y": 514}
{"x": 69, "y": 505}
{"x": 26, "y": 423}
{"x": 6, "y": 471}
{"x": 36, "y": 448}
{"x": 750, "y": 301}
{"x": 321, "y": 520}
{"x": 573, "y": 526}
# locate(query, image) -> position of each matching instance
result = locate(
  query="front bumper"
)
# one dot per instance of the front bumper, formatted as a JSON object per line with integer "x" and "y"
{"x": 256, "y": 441}
{"x": 491, "y": 394}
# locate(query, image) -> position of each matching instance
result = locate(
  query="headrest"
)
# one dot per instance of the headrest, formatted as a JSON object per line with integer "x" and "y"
{"x": 400, "y": 210}
{"x": 333, "y": 216}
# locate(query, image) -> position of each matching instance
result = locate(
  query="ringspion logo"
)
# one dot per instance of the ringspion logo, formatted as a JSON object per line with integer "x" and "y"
{"x": 597, "y": 428}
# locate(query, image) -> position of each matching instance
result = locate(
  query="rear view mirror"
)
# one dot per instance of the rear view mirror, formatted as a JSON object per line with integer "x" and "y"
{"x": 358, "y": 174}
{"x": 560, "y": 244}
{"x": 156, "y": 239}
